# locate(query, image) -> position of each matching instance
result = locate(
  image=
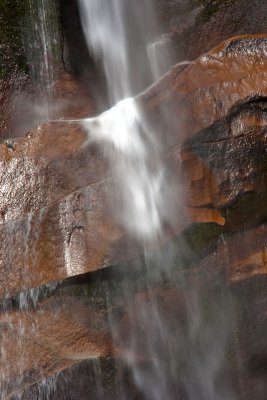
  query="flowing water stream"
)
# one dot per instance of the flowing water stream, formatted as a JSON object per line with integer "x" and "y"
{"x": 143, "y": 196}
{"x": 42, "y": 43}
{"x": 166, "y": 360}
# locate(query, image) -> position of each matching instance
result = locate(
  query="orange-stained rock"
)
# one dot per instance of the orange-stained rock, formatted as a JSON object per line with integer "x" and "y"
{"x": 175, "y": 327}
{"x": 23, "y": 108}
{"x": 56, "y": 219}
{"x": 39, "y": 343}
{"x": 208, "y": 89}
{"x": 240, "y": 257}
{"x": 205, "y": 215}
{"x": 247, "y": 254}
{"x": 185, "y": 104}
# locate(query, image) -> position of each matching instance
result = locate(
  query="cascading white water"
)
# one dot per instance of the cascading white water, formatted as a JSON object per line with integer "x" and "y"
{"x": 144, "y": 201}
{"x": 117, "y": 32}
{"x": 102, "y": 22}
{"x": 142, "y": 198}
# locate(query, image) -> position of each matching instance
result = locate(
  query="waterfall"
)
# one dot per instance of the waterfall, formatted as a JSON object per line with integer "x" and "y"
{"x": 142, "y": 195}
{"x": 117, "y": 32}
{"x": 123, "y": 36}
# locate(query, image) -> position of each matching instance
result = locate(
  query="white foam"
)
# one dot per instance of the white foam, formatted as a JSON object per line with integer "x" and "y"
{"x": 129, "y": 147}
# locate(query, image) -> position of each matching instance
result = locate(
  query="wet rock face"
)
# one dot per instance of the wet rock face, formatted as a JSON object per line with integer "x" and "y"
{"x": 10, "y": 88}
{"x": 76, "y": 57}
{"x": 22, "y": 108}
{"x": 220, "y": 312}
{"x": 55, "y": 219}
{"x": 178, "y": 15}
{"x": 56, "y": 223}
{"x": 49, "y": 339}
{"x": 24, "y": 102}
{"x": 12, "y": 56}
{"x": 189, "y": 29}
{"x": 53, "y": 191}
{"x": 248, "y": 19}
{"x": 195, "y": 26}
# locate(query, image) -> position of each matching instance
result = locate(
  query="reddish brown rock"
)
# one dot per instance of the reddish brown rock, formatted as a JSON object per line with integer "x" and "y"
{"x": 197, "y": 26}
{"x": 56, "y": 222}
{"x": 10, "y": 89}
{"x": 191, "y": 105}
{"x": 196, "y": 321}
{"x": 184, "y": 103}
{"x": 242, "y": 256}
{"x": 23, "y": 107}
{"x": 39, "y": 343}
{"x": 221, "y": 20}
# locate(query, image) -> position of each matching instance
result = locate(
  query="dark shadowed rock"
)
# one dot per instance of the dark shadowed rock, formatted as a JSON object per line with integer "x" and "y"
{"x": 242, "y": 256}
{"x": 196, "y": 26}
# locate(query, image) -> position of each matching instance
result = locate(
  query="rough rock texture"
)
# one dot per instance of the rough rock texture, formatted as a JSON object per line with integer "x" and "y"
{"x": 224, "y": 19}
{"x": 56, "y": 223}
{"x": 195, "y": 26}
{"x": 241, "y": 255}
{"x": 12, "y": 57}
{"x": 22, "y": 107}
{"x": 8, "y": 89}
{"x": 25, "y": 99}
{"x": 53, "y": 191}
{"x": 49, "y": 339}
{"x": 190, "y": 28}
{"x": 185, "y": 311}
